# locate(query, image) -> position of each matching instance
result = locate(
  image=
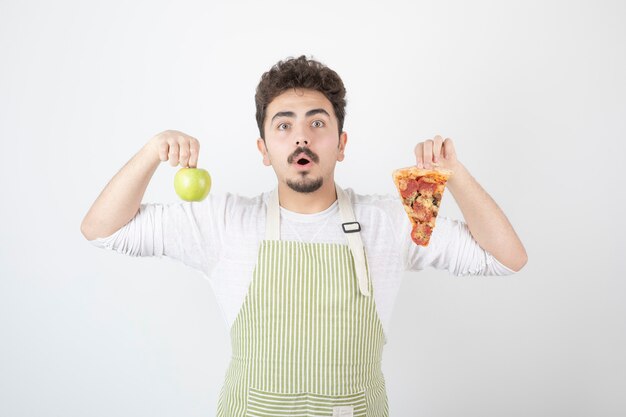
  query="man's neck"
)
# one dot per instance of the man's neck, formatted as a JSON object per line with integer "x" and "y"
{"x": 307, "y": 203}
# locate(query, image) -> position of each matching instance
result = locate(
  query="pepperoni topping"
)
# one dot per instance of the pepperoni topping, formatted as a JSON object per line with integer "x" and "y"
{"x": 409, "y": 190}
{"x": 421, "y": 234}
{"x": 421, "y": 213}
{"x": 425, "y": 187}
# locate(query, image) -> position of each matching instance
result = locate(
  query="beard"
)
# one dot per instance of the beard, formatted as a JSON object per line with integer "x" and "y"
{"x": 305, "y": 185}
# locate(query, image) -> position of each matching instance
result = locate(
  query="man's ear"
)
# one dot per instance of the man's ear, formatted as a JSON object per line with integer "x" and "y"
{"x": 343, "y": 140}
{"x": 260, "y": 144}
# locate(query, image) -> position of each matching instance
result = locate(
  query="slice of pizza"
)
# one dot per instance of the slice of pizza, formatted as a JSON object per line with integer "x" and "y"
{"x": 421, "y": 191}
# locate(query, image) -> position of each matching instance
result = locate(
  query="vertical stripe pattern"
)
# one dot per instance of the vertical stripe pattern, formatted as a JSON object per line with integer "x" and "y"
{"x": 305, "y": 340}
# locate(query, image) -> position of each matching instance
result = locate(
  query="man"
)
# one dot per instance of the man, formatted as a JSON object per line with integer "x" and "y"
{"x": 306, "y": 274}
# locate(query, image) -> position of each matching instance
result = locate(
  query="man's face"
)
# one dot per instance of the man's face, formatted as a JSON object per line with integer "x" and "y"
{"x": 302, "y": 142}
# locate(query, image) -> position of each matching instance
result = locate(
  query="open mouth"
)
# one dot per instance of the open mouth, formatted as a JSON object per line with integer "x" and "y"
{"x": 301, "y": 161}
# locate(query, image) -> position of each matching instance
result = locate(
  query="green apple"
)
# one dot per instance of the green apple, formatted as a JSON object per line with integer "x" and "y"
{"x": 192, "y": 184}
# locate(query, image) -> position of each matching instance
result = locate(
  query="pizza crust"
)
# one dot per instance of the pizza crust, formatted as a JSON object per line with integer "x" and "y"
{"x": 415, "y": 172}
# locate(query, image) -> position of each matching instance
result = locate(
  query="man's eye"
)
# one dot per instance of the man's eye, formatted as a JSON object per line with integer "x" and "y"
{"x": 280, "y": 126}
{"x": 318, "y": 123}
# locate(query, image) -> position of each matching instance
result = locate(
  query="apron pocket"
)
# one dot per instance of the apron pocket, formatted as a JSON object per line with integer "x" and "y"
{"x": 265, "y": 403}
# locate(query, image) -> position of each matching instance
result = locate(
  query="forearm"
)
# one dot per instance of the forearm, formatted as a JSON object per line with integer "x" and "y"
{"x": 485, "y": 220}
{"x": 119, "y": 201}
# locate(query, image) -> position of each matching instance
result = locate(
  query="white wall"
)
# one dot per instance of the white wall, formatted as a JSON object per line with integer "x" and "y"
{"x": 532, "y": 93}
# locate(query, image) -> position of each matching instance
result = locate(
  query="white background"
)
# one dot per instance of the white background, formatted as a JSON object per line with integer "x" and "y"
{"x": 532, "y": 92}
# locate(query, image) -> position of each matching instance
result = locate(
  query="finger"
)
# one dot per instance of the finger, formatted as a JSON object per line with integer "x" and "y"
{"x": 163, "y": 150}
{"x": 428, "y": 153}
{"x": 194, "y": 151}
{"x": 183, "y": 152}
{"x": 419, "y": 155}
{"x": 173, "y": 153}
{"x": 437, "y": 144}
{"x": 448, "y": 149}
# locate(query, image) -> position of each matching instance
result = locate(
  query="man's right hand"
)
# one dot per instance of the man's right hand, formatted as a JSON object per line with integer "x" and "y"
{"x": 119, "y": 201}
{"x": 176, "y": 147}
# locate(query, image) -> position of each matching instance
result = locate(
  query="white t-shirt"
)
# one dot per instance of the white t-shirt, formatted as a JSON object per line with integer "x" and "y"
{"x": 220, "y": 237}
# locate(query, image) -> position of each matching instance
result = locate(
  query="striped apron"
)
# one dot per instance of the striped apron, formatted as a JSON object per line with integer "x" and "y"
{"x": 307, "y": 340}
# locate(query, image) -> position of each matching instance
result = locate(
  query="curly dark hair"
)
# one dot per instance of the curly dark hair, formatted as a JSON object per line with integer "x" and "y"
{"x": 300, "y": 73}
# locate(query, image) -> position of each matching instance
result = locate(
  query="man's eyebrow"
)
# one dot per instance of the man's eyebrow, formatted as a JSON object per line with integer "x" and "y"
{"x": 284, "y": 113}
{"x": 316, "y": 111}
{"x": 292, "y": 114}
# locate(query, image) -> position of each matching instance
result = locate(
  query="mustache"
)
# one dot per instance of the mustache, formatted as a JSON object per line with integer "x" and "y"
{"x": 301, "y": 149}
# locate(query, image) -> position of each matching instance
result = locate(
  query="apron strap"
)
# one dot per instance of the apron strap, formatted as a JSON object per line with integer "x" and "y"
{"x": 272, "y": 220}
{"x": 354, "y": 239}
{"x": 350, "y": 227}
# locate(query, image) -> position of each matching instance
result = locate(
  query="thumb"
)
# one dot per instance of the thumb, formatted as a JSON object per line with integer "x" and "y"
{"x": 448, "y": 149}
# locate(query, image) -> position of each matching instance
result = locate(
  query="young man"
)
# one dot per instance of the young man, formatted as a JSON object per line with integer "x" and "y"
{"x": 306, "y": 297}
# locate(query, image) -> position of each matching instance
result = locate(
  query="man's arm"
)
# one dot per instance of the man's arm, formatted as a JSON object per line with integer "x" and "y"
{"x": 486, "y": 222}
{"x": 118, "y": 203}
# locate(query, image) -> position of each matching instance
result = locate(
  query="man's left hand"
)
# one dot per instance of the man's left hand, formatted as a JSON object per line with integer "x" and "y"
{"x": 436, "y": 153}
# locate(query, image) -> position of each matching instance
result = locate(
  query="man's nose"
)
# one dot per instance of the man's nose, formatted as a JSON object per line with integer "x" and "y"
{"x": 301, "y": 136}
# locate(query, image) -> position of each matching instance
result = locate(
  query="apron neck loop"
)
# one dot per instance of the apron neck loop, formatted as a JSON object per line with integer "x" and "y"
{"x": 349, "y": 224}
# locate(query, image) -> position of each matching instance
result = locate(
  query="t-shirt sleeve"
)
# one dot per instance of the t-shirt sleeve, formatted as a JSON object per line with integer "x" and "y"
{"x": 189, "y": 232}
{"x": 453, "y": 248}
